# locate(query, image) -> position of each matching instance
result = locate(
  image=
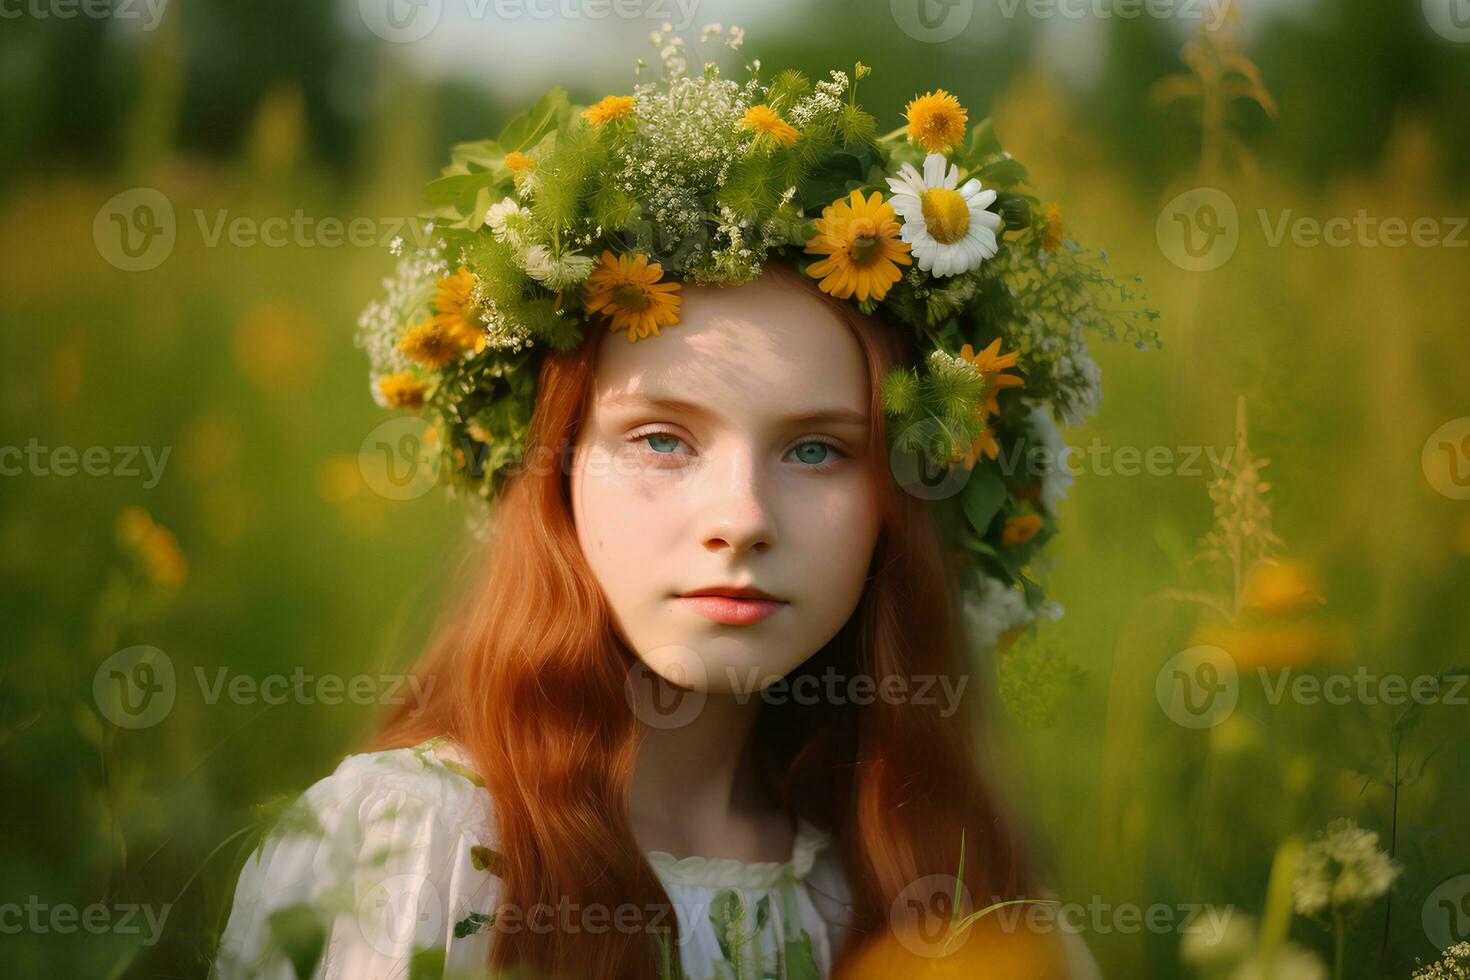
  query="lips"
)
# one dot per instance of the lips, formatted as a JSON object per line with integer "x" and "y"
{"x": 732, "y": 605}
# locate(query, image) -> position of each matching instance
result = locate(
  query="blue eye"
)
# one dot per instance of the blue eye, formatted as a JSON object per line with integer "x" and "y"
{"x": 813, "y": 452}
{"x": 662, "y": 442}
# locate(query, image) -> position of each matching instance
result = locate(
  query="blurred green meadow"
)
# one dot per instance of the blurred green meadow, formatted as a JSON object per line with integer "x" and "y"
{"x": 226, "y": 521}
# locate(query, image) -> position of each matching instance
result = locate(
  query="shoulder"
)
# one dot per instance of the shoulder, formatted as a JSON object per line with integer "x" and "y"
{"x": 390, "y": 855}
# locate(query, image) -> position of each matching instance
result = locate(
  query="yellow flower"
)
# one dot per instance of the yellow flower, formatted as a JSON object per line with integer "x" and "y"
{"x": 991, "y": 364}
{"x": 153, "y": 547}
{"x": 608, "y": 109}
{"x": 1281, "y": 587}
{"x": 936, "y": 121}
{"x": 763, "y": 119}
{"x": 456, "y": 311}
{"x": 861, "y": 241}
{"x": 627, "y": 289}
{"x": 1020, "y": 529}
{"x": 516, "y": 161}
{"x": 402, "y": 389}
{"x": 429, "y": 345}
{"x": 1051, "y": 228}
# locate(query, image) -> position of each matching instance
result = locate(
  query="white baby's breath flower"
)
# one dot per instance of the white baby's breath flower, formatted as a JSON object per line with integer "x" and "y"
{"x": 1342, "y": 872}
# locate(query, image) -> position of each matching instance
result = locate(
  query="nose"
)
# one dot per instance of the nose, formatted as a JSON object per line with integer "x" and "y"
{"x": 737, "y": 514}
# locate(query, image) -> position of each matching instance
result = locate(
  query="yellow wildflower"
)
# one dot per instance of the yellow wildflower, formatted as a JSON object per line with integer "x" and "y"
{"x": 429, "y": 345}
{"x": 936, "y": 121}
{"x": 860, "y": 239}
{"x": 609, "y": 109}
{"x": 628, "y": 290}
{"x": 402, "y": 389}
{"x": 763, "y": 119}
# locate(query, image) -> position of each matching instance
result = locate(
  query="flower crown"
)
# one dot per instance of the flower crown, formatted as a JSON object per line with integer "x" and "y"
{"x": 593, "y": 217}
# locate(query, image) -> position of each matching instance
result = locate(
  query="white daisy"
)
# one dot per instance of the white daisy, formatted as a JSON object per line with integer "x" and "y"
{"x": 950, "y": 230}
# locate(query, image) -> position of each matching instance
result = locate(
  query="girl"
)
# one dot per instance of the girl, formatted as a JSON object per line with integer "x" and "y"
{"x": 729, "y": 522}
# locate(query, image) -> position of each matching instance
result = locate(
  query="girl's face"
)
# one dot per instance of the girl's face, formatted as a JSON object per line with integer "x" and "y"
{"x": 720, "y": 487}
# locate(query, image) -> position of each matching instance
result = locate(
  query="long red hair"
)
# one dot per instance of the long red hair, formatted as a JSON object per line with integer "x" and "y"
{"x": 529, "y": 681}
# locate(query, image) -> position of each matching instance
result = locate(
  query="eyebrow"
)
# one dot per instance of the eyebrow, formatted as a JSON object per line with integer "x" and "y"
{"x": 813, "y": 417}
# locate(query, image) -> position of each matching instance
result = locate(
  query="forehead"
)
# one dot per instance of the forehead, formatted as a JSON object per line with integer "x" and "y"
{"x": 763, "y": 347}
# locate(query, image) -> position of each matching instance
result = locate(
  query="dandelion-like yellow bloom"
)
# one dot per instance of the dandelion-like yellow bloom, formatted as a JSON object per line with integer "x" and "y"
{"x": 936, "y": 121}
{"x": 402, "y": 389}
{"x": 429, "y": 345}
{"x": 456, "y": 311}
{"x": 860, "y": 239}
{"x": 608, "y": 109}
{"x": 516, "y": 161}
{"x": 1051, "y": 229}
{"x": 991, "y": 364}
{"x": 628, "y": 290}
{"x": 763, "y": 119}
{"x": 1020, "y": 529}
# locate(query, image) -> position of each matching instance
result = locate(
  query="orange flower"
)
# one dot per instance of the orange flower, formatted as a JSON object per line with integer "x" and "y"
{"x": 991, "y": 364}
{"x": 1021, "y": 529}
{"x": 628, "y": 290}
{"x": 516, "y": 161}
{"x": 860, "y": 239}
{"x": 1051, "y": 230}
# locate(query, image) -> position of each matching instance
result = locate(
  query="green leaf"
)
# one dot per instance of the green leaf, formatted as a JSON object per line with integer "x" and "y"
{"x": 472, "y": 924}
{"x": 298, "y": 932}
{"x": 982, "y": 498}
{"x": 524, "y": 130}
{"x": 1003, "y": 172}
{"x": 800, "y": 963}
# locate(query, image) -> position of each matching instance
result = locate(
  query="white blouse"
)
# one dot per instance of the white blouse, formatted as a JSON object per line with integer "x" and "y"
{"x": 386, "y": 861}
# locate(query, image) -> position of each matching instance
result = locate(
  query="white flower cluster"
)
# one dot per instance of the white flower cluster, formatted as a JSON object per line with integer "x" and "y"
{"x": 405, "y": 294}
{"x": 824, "y": 105}
{"x": 1342, "y": 872}
{"x": 1454, "y": 966}
{"x": 994, "y": 609}
{"x": 687, "y": 137}
{"x": 1056, "y": 476}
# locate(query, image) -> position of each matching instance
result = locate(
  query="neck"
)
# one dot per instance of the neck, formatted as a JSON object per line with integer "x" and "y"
{"x": 693, "y": 791}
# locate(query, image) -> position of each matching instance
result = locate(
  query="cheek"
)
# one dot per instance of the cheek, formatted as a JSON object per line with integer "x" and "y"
{"x": 620, "y": 519}
{"x": 834, "y": 533}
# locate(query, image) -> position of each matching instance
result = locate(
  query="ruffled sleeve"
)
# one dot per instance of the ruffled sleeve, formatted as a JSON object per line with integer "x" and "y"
{"x": 389, "y": 858}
